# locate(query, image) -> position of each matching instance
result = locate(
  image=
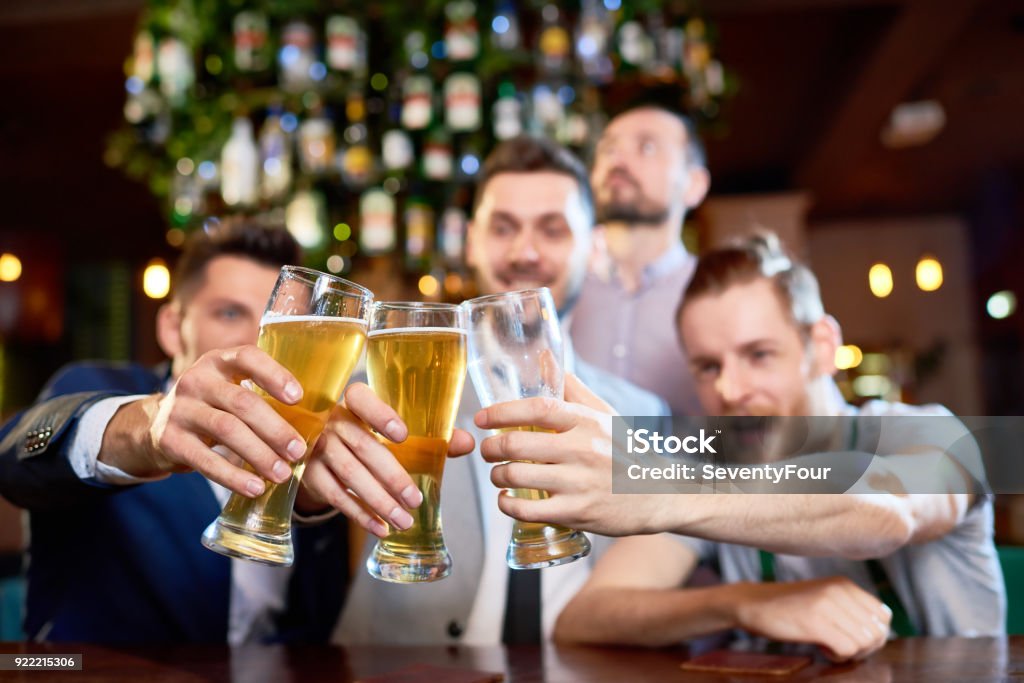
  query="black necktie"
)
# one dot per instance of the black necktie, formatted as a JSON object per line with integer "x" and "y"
{"x": 319, "y": 580}
{"x": 522, "y": 608}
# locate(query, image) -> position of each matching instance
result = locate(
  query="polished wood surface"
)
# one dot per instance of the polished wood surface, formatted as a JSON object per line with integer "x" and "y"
{"x": 910, "y": 659}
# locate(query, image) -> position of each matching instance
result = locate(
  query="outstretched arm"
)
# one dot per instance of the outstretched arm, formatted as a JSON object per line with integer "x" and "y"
{"x": 574, "y": 466}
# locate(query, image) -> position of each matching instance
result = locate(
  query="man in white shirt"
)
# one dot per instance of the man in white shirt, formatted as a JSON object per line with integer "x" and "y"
{"x": 531, "y": 227}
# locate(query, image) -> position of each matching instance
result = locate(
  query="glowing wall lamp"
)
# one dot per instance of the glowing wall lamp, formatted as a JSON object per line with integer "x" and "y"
{"x": 156, "y": 279}
{"x": 880, "y": 280}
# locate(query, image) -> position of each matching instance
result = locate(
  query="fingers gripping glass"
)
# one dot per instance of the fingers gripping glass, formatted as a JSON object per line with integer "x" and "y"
{"x": 315, "y": 326}
{"x": 416, "y": 363}
{"x": 515, "y": 351}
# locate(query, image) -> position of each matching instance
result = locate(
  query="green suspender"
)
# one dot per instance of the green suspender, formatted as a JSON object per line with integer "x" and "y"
{"x": 901, "y": 623}
{"x": 767, "y": 566}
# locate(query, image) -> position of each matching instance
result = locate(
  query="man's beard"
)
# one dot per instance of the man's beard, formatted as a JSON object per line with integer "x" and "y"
{"x": 633, "y": 214}
{"x": 641, "y": 211}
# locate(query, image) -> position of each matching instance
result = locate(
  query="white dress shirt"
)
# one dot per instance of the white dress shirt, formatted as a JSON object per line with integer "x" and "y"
{"x": 557, "y": 584}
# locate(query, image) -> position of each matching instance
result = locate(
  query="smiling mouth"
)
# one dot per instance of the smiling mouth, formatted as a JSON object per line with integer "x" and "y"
{"x": 524, "y": 283}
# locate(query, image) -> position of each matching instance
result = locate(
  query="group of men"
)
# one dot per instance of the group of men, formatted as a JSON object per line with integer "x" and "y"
{"x": 122, "y": 467}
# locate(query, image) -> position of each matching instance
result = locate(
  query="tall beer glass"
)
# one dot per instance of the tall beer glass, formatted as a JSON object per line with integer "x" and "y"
{"x": 416, "y": 362}
{"x": 515, "y": 351}
{"x": 315, "y": 326}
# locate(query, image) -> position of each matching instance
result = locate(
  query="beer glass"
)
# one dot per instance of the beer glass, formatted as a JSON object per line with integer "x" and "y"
{"x": 515, "y": 351}
{"x": 416, "y": 363}
{"x": 315, "y": 326}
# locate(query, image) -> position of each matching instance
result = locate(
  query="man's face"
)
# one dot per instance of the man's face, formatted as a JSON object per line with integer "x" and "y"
{"x": 746, "y": 353}
{"x": 530, "y": 230}
{"x": 640, "y": 172}
{"x": 222, "y": 310}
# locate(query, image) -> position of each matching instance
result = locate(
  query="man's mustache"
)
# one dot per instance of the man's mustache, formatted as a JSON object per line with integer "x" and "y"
{"x": 622, "y": 174}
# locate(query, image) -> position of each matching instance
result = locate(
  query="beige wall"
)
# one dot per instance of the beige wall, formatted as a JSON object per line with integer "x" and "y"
{"x": 841, "y": 254}
{"x": 726, "y": 218}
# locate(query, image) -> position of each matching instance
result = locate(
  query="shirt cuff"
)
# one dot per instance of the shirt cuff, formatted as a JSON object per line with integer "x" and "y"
{"x": 88, "y": 439}
{"x": 315, "y": 518}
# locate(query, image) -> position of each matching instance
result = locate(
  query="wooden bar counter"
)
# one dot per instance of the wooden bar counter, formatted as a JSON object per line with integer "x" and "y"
{"x": 909, "y": 659}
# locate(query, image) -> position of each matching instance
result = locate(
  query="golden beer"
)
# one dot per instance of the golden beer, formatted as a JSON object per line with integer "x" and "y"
{"x": 420, "y": 372}
{"x": 321, "y": 353}
{"x": 536, "y": 542}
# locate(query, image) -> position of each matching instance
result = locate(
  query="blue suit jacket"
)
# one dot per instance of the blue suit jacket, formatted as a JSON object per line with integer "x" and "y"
{"x": 124, "y": 564}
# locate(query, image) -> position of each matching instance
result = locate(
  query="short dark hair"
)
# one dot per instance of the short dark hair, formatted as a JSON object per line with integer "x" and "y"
{"x": 269, "y": 245}
{"x": 694, "y": 147}
{"x": 760, "y": 256}
{"x": 530, "y": 154}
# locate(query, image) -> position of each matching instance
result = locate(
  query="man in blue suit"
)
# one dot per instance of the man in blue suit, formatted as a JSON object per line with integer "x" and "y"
{"x": 115, "y": 553}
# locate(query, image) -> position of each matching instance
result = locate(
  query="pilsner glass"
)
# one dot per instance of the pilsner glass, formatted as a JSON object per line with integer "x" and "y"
{"x": 416, "y": 363}
{"x": 515, "y": 351}
{"x": 315, "y": 326}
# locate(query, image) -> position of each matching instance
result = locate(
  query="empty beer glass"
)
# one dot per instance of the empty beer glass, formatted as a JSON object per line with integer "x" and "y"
{"x": 516, "y": 351}
{"x": 315, "y": 326}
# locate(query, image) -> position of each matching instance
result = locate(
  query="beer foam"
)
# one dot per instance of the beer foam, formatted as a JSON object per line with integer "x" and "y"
{"x": 415, "y": 330}
{"x": 273, "y": 319}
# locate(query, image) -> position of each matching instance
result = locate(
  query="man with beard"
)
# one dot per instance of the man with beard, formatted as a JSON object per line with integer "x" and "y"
{"x": 844, "y": 566}
{"x": 648, "y": 172}
{"x": 531, "y": 227}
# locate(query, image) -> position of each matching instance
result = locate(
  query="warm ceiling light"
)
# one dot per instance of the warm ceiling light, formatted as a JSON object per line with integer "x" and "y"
{"x": 849, "y": 356}
{"x": 156, "y": 279}
{"x": 880, "y": 280}
{"x": 928, "y": 274}
{"x": 10, "y": 267}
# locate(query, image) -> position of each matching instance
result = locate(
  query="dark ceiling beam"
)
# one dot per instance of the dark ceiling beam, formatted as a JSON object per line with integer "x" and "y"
{"x": 918, "y": 37}
{"x": 715, "y": 8}
{"x": 13, "y": 13}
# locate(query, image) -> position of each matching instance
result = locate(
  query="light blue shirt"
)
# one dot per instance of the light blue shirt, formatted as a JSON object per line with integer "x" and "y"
{"x": 634, "y": 335}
